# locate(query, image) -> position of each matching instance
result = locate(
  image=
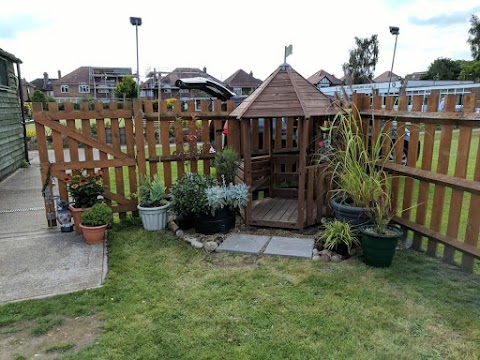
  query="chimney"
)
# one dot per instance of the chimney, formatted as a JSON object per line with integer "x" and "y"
{"x": 59, "y": 74}
{"x": 251, "y": 73}
{"x": 45, "y": 80}
{"x": 204, "y": 69}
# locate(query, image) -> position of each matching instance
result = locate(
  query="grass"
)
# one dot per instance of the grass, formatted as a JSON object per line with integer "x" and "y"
{"x": 164, "y": 300}
{"x": 60, "y": 347}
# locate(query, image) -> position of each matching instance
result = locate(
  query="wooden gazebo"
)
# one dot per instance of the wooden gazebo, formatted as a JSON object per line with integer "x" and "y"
{"x": 280, "y": 133}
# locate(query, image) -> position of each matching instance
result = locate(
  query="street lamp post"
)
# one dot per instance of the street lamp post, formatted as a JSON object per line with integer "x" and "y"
{"x": 394, "y": 30}
{"x": 136, "y": 21}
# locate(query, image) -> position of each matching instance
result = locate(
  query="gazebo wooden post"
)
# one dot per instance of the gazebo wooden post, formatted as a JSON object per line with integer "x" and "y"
{"x": 302, "y": 165}
{"x": 247, "y": 165}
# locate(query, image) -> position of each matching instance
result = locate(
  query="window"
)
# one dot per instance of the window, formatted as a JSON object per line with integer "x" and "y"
{"x": 64, "y": 89}
{"x": 167, "y": 91}
{"x": 84, "y": 89}
{"x": 3, "y": 72}
{"x": 184, "y": 91}
{"x": 237, "y": 91}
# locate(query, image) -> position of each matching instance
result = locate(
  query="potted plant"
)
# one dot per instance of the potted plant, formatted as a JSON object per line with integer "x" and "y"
{"x": 356, "y": 169}
{"x": 188, "y": 197}
{"x": 338, "y": 236}
{"x": 226, "y": 163}
{"x": 223, "y": 203}
{"x": 152, "y": 203}
{"x": 85, "y": 188}
{"x": 94, "y": 223}
{"x": 380, "y": 239}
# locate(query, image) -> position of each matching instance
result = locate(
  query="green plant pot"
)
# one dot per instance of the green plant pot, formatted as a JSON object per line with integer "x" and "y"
{"x": 379, "y": 249}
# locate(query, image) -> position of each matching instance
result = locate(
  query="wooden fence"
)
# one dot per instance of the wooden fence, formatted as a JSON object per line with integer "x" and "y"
{"x": 437, "y": 193}
{"x": 170, "y": 141}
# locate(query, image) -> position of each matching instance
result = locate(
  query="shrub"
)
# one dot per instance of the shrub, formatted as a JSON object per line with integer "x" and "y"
{"x": 232, "y": 196}
{"x": 226, "y": 163}
{"x": 99, "y": 214}
{"x": 188, "y": 196}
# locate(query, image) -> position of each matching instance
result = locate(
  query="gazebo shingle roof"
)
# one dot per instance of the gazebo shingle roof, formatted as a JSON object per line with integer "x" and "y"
{"x": 285, "y": 93}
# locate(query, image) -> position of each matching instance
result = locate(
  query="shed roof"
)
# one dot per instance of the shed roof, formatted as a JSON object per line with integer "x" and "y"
{"x": 285, "y": 93}
{"x": 12, "y": 57}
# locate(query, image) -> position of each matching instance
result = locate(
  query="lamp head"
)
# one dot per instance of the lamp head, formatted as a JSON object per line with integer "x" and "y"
{"x": 394, "y": 30}
{"x": 136, "y": 21}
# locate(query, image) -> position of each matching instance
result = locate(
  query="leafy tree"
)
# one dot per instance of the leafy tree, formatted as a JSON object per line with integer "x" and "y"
{"x": 443, "y": 69}
{"x": 126, "y": 86}
{"x": 362, "y": 61}
{"x": 39, "y": 96}
{"x": 474, "y": 38}
{"x": 470, "y": 70}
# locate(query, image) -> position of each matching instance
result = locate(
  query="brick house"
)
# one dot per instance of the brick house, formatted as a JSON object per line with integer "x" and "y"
{"x": 241, "y": 83}
{"x": 85, "y": 82}
{"x": 323, "y": 79}
{"x": 149, "y": 89}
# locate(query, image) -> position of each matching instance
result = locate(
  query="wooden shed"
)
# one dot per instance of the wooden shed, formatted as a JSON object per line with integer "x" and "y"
{"x": 12, "y": 147}
{"x": 280, "y": 133}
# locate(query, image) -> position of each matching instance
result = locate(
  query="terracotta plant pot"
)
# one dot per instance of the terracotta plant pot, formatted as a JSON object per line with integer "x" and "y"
{"x": 93, "y": 234}
{"x": 76, "y": 216}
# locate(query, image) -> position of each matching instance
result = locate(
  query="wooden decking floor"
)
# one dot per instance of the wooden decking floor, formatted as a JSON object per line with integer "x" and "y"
{"x": 275, "y": 212}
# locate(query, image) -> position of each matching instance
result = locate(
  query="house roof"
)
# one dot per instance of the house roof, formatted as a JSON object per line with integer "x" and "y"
{"x": 39, "y": 84}
{"x": 241, "y": 79}
{"x": 77, "y": 76}
{"x": 12, "y": 57}
{"x": 186, "y": 73}
{"x": 320, "y": 74}
{"x": 386, "y": 77}
{"x": 285, "y": 93}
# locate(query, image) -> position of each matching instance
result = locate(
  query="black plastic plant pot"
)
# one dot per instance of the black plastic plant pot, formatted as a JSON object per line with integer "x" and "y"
{"x": 186, "y": 222}
{"x": 222, "y": 222}
{"x": 379, "y": 249}
{"x": 355, "y": 216}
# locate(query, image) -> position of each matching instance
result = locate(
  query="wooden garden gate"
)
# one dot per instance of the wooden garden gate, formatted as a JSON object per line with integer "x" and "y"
{"x": 85, "y": 137}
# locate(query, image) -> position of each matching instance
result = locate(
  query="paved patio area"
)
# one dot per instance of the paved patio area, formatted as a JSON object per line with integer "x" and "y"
{"x": 268, "y": 245}
{"x": 36, "y": 261}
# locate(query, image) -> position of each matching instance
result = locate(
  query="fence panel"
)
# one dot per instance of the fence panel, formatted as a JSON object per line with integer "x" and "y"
{"x": 437, "y": 191}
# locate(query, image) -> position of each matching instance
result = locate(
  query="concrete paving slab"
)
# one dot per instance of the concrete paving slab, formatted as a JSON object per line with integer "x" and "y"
{"x": 289, "y": 246}
{"x": 38, "y": 265}
{"x": 243, "y": 243}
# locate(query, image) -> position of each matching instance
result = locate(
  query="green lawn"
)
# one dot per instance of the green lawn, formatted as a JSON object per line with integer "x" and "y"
{"x": 164, "y": 300}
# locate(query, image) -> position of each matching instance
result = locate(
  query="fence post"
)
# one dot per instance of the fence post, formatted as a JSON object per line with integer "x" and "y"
{"x": 140, "y": 142}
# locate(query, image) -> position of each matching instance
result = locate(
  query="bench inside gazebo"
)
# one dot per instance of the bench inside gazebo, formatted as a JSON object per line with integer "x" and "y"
{"x": 280, "y": 127}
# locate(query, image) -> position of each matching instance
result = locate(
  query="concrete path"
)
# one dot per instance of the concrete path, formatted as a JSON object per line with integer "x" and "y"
{"x": 268, "y": 245}
{"x": 36, "y": 261}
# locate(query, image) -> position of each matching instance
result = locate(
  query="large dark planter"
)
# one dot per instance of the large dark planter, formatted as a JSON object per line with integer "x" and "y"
{"x": 379, "y": 249}
{"x": 355, "y": 216}
{"x": 186, "y": 222}
{"x": 222, "y": 222}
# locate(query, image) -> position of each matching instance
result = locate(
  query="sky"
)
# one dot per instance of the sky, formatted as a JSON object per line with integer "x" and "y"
{"x": 225, "y": 36}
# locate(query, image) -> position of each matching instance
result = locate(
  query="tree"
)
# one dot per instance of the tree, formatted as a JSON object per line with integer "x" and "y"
{"x": 39, "y": 96}
{"x": 470, "y": 70}
{"x": 128, "y": 87}
{"x": 474, "y": 38}
{"x": 443, "y": 69}
{"x": 362, "y": 61}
